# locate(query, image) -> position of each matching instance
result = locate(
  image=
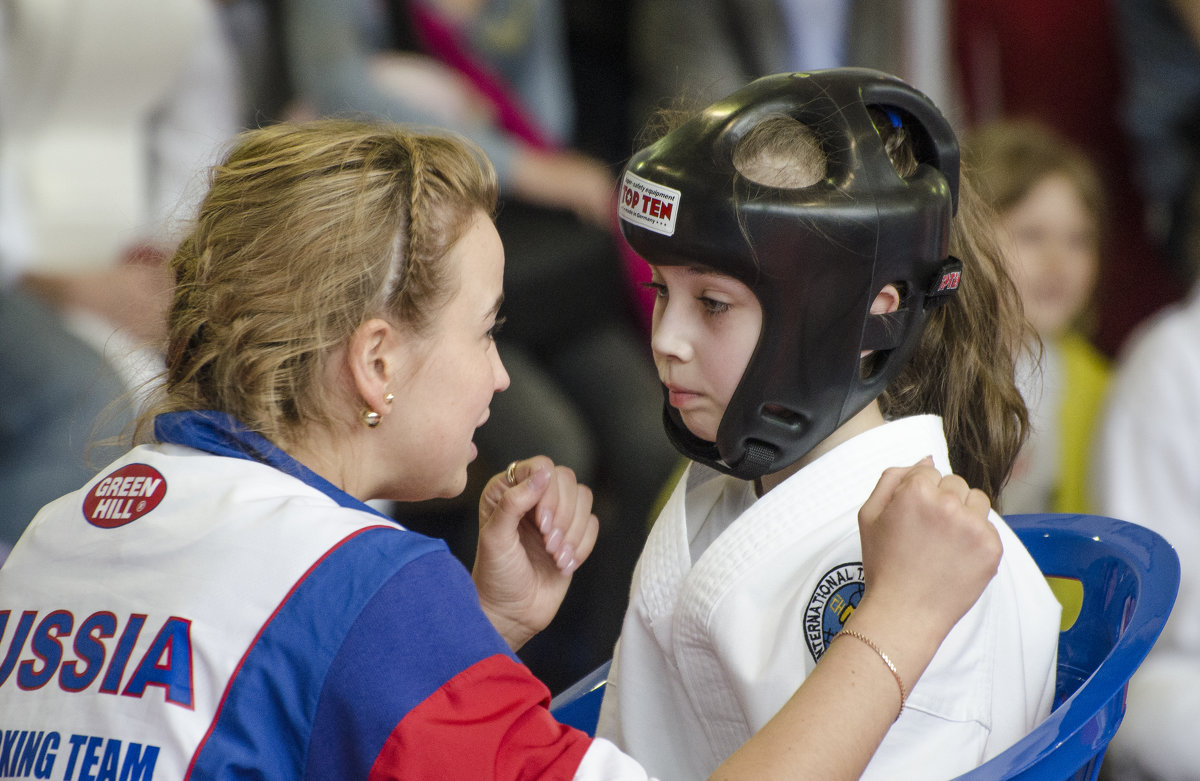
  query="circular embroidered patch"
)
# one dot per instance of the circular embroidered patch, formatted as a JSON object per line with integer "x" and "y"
{"x": 124, "y": 496}
{"x": 832, "y": 603}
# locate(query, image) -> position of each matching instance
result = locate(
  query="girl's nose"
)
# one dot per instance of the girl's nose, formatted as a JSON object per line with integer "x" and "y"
{"x": 668, "y": 335}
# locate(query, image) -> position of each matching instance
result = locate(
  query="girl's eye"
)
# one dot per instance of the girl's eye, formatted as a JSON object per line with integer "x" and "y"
{"x": 660, "y": 290}
{"x": 495, "y": 329}
{"x": 713, "y": 306}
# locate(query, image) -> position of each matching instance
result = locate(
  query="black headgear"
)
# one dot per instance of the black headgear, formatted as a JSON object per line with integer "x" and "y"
{"x": 814, "y": 256}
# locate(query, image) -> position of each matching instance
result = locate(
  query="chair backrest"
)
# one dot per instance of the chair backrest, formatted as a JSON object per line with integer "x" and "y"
{"x": 1129, "y": 577}
{"x": 579, "y": 704}
{"x": 1124, "y": 579}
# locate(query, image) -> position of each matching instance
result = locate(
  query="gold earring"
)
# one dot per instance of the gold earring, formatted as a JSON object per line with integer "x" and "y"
{"x": 388, "y": 399}
{"x": 371, "y": 418}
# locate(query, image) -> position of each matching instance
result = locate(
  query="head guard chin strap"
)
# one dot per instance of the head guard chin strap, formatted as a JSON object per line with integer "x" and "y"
{"x": 815, "y": 256}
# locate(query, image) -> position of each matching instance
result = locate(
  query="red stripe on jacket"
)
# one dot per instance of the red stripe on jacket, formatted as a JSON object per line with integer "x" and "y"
{"x": 488, "y": 722}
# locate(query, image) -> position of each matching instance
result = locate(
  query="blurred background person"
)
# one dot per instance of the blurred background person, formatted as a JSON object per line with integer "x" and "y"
{"x": 1145, "y": 470}
{"x": 1059, "y": 61}
{"x": 108, "y": 110}
{"x": 703, "y": 49}
{"x": 1050, "y": 205}
{"x": 1114, "y": 77}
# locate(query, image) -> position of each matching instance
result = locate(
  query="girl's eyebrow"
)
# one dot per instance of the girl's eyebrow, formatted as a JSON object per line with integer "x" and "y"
{"x": 694, "y": 269}
{"x": 706, "y": 271}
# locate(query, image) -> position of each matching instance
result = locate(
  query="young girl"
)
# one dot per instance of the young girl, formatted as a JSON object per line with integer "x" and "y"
{"x": 1051, "y": 206}
{"x": 811, "y": 330}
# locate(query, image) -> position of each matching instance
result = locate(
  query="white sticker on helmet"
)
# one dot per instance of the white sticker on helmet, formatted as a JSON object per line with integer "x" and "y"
{"x": 648, "y": 205}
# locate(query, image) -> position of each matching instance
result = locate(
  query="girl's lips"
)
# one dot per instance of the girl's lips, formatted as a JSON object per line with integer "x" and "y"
{"x": 680, "y": 396}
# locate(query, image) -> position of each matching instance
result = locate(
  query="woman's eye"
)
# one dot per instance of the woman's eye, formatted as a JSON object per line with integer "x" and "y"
{"x": 495, "y": 329}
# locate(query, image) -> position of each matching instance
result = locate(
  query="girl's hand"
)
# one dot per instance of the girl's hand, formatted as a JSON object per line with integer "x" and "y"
{"x": 534, "y": 532}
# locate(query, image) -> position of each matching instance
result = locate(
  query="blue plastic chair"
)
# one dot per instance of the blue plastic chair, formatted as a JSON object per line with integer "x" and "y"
{"x": 579, "y": 704}
{"x": 1118, "y": 582}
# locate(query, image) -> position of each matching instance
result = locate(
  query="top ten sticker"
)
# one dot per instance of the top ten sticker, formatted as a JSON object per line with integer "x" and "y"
{"x": 648, "y": 205}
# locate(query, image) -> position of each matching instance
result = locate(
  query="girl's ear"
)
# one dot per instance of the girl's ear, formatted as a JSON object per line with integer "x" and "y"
{"x": 888, "y": 300}
{"x": 372, "y": 357}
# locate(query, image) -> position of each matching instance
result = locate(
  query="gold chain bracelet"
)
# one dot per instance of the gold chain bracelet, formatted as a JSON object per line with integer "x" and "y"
{"x": 891, "y": 667}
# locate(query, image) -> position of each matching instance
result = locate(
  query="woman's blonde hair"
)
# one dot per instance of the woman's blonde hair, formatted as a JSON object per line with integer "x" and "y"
{"x": 963, "y": 368}
{"x": 307, "y": 231}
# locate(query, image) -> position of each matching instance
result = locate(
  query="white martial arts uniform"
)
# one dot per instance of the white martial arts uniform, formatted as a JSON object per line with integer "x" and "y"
{"x": 735, "y": 599}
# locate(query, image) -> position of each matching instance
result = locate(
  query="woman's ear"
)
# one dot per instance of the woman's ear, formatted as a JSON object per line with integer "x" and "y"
{"x": 372, "y": 357}
{"x": 888, "y": 300}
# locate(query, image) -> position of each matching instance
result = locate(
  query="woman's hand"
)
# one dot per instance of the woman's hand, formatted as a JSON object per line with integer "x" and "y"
{"x": 929, "y": 551}
{"x": 534, "y": 533}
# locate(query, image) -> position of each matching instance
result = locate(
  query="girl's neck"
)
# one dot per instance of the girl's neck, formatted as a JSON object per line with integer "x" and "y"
{"x": 868, "y": 418}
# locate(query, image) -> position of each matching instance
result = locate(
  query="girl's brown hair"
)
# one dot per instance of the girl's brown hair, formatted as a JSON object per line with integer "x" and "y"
{"x": 307, "y": 231}
{"x": 964, "y": 367}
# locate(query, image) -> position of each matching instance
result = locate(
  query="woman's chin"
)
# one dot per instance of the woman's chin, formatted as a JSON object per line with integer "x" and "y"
{"x": 447, "y": 489}
{"x": 454, "y": 487}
